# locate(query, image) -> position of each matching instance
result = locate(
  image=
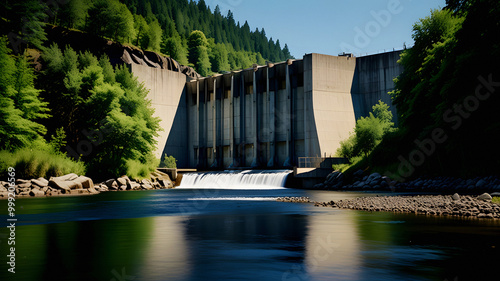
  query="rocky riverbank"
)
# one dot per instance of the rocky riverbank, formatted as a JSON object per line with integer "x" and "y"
{"x": 441, "y": 205}
{"x": 377, "y": 182}
{"x": 73, "y": 184}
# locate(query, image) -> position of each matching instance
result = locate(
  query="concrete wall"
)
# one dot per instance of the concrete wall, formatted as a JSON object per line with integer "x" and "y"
{"x": 328, "y": 98}
{"x": 167, "y": 95}
{"x": 373, "y": 80}
{"x": 266, "y": 116}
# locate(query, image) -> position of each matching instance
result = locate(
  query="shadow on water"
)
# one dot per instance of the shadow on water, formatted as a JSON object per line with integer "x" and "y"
{"x": 240, "y": 235}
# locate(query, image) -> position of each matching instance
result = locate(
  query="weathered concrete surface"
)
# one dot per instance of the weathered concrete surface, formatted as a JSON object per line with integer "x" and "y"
{"x": 373, "y": 80}
{"x": 167, "y": 95}
{"x": 329, "y": 109}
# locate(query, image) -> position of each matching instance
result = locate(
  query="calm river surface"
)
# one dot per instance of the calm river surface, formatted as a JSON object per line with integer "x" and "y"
{"x": 239, "y": 235}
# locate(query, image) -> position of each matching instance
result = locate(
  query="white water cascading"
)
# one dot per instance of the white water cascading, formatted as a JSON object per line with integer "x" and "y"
{"x": 249, "y": 179}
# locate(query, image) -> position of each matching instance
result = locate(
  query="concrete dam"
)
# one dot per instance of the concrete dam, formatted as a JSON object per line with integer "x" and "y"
{"x": 266, "y": 116}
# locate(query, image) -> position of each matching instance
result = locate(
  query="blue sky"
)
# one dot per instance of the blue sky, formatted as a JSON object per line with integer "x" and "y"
{"x": 332, "y": 27}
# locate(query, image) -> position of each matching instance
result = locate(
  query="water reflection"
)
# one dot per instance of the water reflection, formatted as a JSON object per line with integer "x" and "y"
{"x": 241, "y": 240}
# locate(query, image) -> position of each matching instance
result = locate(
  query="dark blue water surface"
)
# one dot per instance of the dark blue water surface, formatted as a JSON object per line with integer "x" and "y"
{"x": 239, "y": 235}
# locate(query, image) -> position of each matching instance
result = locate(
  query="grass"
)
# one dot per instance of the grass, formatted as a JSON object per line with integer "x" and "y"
{"x": 496, "y": 200}
{"x": 32, "y": 163}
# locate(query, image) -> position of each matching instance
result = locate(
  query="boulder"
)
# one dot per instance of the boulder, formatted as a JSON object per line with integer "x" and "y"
{"x": 41, "y": 182}
{"x": 111, "y": 184}
{"x": 24, "y": 185}
{"x": 146, "y": 181}
{"x": 135, "y": 186}
{"x": 86, "y": 182}
{"x": 36, "y": 192}
{"x": 481, "y": 183}
{"x": 21, "y": 181}
{"x": 455, "y": 197}
{"x": 68, "y": 177}
{"x": 64, "y": 185}
{"x": 484, "y": 197}
{"x": 374, "y": 177}
{"x": 122, "y": 181}
{"x": 166, "y": 184}
{"x": 358, "y": 174}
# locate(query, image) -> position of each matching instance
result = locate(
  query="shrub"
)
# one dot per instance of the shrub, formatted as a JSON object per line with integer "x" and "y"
{"x": 168, "y": 162}
{"x": 35, "y": 162}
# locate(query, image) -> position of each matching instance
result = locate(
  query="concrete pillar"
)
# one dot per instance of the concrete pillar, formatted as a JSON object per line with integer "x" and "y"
{"x": 288, "y": 119}
{"x": 221, "y": 124}
{"x": 255, "y": 118}
{"x": 205, "y": 123}
{"x": 214, "y": 125}
{"x": 242, "y": 118}
{"x": 272, "y": 120}
{"x": 198, "y": 122}
{"x": 231, "y": 121}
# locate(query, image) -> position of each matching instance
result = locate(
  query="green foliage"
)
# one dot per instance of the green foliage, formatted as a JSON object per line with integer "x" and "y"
{"x": 152, "y": 37}
{"x": 368, "y": 132}
{"x": 449, "y": 78}
{"x": 103, "y": 106}
{"x": 381, "y": 111}
{"x": 20, "y": 104}
{"x": 168, "y": 162}
{"x": 175, "y": 49}
{"x": 219, "y": 58}
{"x": 347, "y": 147}
{"x": 27, "y": 18}
{"x": 73, "y": 13}
{"x": 496, "y": 200}
{"x": 140, "y": 170}
{"x": 414, "y": 95}
{"x": 58, "y": 140}
{"x": 198, "y": 52}
{"x": 112, "y": 19}
{"x": 33, "y": 162}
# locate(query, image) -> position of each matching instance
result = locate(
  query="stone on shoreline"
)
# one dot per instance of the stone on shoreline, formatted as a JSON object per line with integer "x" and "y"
{"x": 294, "y": 199}
{"x": 485, "y": 197}
{"x": 445, "y": 205}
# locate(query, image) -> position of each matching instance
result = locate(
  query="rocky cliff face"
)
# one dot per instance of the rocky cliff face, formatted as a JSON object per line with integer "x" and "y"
{"x": 117, "y": 53}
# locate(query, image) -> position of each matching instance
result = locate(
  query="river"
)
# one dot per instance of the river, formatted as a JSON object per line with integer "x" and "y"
{"x": 205, "y": 234}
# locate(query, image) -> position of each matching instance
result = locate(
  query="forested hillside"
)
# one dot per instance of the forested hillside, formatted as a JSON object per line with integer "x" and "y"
{"x": 188, "y": 31}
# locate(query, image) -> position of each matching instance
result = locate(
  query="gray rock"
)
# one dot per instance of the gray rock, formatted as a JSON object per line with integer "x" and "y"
{"x": 135, "y": 186}
{"x": 111, "y": 184}
{"x": 358, "y": 173}
{"x": 121, "y": 181}
{"x": 36, "y": 192}
{"x": 41, "y": 182}
{"x": 85, "y": 181}
{"x": 68, "y": 177}
{"x": 455, "y": 197}
{"x": 64, "y": 185}
{"x": 484, "y": 197}
{"x": 495, "y": 194}
{"x": 374, "y": 176}
{"x": 481, "y": 183}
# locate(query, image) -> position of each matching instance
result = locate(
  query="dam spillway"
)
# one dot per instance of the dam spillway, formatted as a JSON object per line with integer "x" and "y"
{"x": 248, "y": 179}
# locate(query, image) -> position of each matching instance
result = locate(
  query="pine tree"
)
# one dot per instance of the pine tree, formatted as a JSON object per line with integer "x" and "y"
{"x": 20, "y": 104}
